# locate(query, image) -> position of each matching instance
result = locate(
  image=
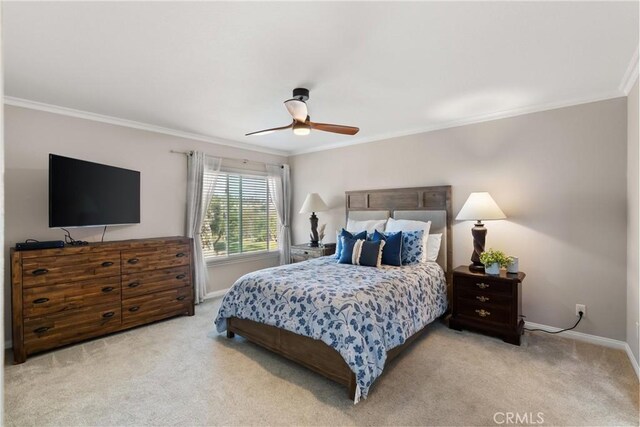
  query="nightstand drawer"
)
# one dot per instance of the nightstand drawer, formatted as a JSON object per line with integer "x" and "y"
{"x": 484, "y": 298}
{"x": 483, "y": 285}
{"x": 307, "y": 254}
{"x": 483, "y": 313}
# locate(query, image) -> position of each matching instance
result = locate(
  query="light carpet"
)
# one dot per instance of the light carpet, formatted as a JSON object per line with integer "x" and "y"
{"x": 178, "y": 372}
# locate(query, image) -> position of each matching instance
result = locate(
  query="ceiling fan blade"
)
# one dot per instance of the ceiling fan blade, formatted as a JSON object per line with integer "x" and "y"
{"x": 297, "y": 109}
{"x": 268, "y": 131}
{"x": 327, "y": 127}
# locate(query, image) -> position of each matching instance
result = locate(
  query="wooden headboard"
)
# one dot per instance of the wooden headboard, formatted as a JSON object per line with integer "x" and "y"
{"x": 399, "y": 203}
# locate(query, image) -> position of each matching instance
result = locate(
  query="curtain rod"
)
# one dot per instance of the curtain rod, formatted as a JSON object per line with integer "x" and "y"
{"x": 244, "y": 161}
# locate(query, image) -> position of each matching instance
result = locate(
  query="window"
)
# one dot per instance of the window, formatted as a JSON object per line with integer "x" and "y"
{"x": 241, "y": 217}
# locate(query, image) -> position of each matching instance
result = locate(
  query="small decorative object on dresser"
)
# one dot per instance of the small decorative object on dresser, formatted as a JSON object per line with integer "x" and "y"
{"x": 487, "y": 303}
{"x": 66, "y": 295}
{"x": 305, "y": 252}
{"x": 312, "y": 204}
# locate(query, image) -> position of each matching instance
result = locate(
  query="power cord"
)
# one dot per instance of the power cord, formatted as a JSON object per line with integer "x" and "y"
{"x": 580, "y": 313}
{"x": 71, "y": 241}
{"x": 103, "y": 231}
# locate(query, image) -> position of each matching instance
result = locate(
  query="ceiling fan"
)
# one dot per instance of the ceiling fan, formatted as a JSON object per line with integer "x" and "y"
{"x": 302, "y": 123}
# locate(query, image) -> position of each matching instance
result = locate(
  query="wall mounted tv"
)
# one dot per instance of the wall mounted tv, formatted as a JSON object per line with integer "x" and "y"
{"x": 84, "y": 194}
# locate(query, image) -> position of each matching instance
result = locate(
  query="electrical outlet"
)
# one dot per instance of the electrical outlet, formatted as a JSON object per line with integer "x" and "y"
{"x": 581, "y": 308}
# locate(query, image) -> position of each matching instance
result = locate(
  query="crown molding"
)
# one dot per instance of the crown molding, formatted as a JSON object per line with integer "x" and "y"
{"x": 631, "y": 75}
{"x": 467, "y": 121}
{"x": 56, "y": 109}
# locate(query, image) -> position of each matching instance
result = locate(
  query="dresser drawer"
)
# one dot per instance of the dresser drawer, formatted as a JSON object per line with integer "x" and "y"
{"x": 483, "y": 313}
{"x": 54, "y": 330}
{"x": 134, "y": 261}
{"x": 151, "y": 307}
{"x": 70, "y": 297}
{"x": 67, "y": 268}
{"x": 483, "y": 285}
{"x": 135, "y": 284}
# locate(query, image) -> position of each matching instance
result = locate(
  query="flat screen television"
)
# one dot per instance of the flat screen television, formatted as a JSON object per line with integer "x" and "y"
{"x": 84, "y": 194}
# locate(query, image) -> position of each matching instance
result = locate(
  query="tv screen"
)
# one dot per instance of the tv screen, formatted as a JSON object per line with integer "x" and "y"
{"x": 83, "y": 194}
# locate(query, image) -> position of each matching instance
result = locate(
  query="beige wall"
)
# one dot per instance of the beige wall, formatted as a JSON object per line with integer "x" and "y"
{"x": 558, "y": 175}
{"x": 633, "y": 215}
{"x": 31, "y": 135}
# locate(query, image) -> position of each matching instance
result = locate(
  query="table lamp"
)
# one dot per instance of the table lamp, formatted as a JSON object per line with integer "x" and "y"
{"x": 312, "y": 204}
{"x": 479, "y": 207}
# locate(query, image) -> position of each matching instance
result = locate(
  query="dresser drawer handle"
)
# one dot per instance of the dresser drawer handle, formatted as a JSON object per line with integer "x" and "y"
{"x": 482, "y": 299}
{"x": 180, "y": 255}
{"x": 135, "y": 308}
{"x": 133, "y": 261}
{"x": 107, "y": 289}
{"x": 483, "y": 313}
{"x": 181, "y": 298}
{"x": 134, "y": 284}
{"x": 40, "y": 272}
{"x": 306, "y": 252}
{"x": 482, "y": 285}
{"x": 107, "y": 264}
{"x": 108, "y": 314}
{"x": 40, "y": 300}
{"x": 181, "y": 276}
{"x": 41, "y": 330}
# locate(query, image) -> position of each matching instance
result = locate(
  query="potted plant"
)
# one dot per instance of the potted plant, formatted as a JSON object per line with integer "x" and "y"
{"x": 493, "y": 260}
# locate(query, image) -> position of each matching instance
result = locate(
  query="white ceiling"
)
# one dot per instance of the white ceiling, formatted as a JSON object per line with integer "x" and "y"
{"x": 224, "y": 69}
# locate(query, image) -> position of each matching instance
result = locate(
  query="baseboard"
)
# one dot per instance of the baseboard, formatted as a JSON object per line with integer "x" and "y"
{"x": 633, "y": 360}
{"x": 580, "y": 336}
{"x": 593, "y": 339}
{"x": 216, "y": 294}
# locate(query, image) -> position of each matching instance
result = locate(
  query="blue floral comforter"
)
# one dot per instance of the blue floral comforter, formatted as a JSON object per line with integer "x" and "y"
{"x": 361, "y": 312}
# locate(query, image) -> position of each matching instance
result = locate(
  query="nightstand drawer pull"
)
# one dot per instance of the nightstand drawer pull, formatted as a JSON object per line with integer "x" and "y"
{"x": 482, "y": 285}
{"x": 306, "y": 252}
{"x": 482, "y": 299}
{"x": 483, "y": 313}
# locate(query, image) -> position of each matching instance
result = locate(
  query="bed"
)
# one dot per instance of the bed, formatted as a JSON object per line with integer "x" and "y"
{"x": 344, "y": 321}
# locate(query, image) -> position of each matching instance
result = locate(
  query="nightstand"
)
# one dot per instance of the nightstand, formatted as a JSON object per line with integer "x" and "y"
{"x": 488, "y": 303}
{"x": 305, "y": 252}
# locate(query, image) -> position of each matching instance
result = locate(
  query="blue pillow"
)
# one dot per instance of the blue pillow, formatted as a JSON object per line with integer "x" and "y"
{"x": 361, "y": 252}
{"x": 392, "y": 250}
{"x": 412, "y": 247}
{"x": 344, "y": 233}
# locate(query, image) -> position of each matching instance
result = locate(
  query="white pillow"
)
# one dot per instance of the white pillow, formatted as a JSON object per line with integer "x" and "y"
{"x": 370, "y": 226}
{"x": 433, "y": 246}
{"x": 394, "y": 225}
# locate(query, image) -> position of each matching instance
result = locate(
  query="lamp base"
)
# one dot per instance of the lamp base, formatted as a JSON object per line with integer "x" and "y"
{"x": 477, "y": 268}
{"x": 314, "y": 244}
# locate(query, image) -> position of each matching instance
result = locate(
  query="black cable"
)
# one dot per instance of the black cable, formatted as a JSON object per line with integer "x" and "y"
{"x": 561, "y": 330}
{"x": 103, "y": 231}
{"x": 67, "y": 237}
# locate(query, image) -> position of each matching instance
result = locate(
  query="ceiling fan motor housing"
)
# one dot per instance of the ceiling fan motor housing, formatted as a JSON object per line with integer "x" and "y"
{"x": 301, "y": 93}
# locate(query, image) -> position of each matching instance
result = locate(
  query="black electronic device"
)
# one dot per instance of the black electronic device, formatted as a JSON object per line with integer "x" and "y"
{"x": 33, "y": 245}
{"x": 84, "y": 194}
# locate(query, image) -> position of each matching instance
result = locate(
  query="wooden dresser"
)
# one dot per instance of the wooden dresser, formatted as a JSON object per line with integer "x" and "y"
{"x": 488, "y": 303}
{"x": 305, "y": 252}
{"x": 65, "y": 295}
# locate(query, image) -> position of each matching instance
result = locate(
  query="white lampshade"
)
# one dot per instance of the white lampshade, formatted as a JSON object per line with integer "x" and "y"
{"x": 313, "y": 203}
{"x": 478, "y": 207}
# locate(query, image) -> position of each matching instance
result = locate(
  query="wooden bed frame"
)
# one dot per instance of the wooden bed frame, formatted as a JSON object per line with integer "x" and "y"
{"x": 316, "y": 355}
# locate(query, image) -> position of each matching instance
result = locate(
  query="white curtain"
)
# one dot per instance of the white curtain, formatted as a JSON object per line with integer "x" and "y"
{"x": 198, "y": 198}
{"x": 280, "y": 188}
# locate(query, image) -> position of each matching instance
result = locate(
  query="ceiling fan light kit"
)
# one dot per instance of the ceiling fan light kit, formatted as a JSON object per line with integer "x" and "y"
{"x": 302, "y": 123}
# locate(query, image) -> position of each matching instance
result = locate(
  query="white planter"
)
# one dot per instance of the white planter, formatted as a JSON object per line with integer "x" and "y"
{"x": 513, "y": 267}
{"x": 492, "y": 268}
